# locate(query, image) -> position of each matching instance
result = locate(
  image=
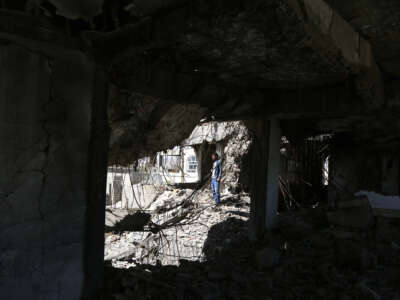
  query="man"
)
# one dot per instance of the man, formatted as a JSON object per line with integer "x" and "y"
{"x": 216, "y": 174}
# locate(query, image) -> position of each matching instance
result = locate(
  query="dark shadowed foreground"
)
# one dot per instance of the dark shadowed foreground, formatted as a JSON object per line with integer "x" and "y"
{"x": 304, "y": 258}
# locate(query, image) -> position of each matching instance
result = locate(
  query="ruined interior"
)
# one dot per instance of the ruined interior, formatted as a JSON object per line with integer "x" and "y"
{"x": 90, "y": 84}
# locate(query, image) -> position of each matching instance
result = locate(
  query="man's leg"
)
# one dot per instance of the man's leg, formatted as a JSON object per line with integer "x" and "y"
{"x": 213, "y": 187}
{"x": 216, "y": 188}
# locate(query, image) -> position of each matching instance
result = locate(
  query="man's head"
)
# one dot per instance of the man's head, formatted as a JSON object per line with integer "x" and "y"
{"x": 214, "y": 156}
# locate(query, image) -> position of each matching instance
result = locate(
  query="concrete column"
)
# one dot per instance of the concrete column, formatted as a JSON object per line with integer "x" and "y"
{"x": 96, "y": 183}
{"x": 274, "y": 157}
{"x": 265, "y": 161}
{"x": 199, "y": 156}
{"x": 52, "y": 183}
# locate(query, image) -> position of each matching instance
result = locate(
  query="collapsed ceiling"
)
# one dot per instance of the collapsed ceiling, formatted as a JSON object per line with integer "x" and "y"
{"x": 334, "y": 63}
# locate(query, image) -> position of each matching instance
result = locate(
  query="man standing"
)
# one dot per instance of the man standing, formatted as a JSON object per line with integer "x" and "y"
{"x": 216, "y": 174}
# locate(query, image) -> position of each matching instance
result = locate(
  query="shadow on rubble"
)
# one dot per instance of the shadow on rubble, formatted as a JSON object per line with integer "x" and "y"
{"x": 127, "y": 222}
{"x": 298, "y": 260}
{"x": 226, "y": 254}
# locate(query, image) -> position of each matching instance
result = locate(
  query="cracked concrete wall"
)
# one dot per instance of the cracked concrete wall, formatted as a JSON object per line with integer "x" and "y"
{"x": 45, "y": 115}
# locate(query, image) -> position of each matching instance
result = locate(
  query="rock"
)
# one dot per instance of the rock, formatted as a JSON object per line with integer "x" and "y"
{"x": 268, "y": 258}
{"x": 353, "y": 214}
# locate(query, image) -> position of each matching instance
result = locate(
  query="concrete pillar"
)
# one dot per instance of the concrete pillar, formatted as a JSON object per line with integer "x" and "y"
{"x": 199, "y": 156}
{"x": 52, "y": 183}
{"x": 265, "y": 161}
{"x": 96, "y": 183}
{"x": 273, "y": 173}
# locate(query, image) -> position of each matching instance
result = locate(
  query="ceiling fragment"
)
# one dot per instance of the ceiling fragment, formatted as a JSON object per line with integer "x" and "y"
{"x": 75, "y": 9}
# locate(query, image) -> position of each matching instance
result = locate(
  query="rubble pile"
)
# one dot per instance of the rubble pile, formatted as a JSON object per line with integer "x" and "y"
{"x": 235, "y": 152}
{"x": 305, "y": 257}
{"x": 180, "y": 222}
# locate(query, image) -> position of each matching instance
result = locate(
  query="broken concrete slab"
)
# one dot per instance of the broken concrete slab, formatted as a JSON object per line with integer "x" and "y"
{"x": 385, "y": 206}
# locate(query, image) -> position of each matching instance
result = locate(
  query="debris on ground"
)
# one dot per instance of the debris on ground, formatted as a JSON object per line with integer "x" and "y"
{"x": 176, "y": 228}
{"x": 305, "y": 257}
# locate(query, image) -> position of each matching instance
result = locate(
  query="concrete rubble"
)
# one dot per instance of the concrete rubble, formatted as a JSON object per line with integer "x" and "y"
{"x": 180, "y": 220}
{"x": 305, "y": 257}
{"x": 355, "y": 213}
{"x": 386, "y": 206}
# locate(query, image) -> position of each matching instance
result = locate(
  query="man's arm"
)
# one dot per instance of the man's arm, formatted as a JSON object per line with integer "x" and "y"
{"x": 219, "y": 171}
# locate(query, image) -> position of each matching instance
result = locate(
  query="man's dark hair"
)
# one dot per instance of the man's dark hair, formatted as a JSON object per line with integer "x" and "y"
{"x": 216, "y": 155}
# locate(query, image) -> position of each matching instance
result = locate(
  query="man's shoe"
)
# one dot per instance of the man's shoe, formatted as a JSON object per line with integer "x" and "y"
{"x": 216, "y": 208}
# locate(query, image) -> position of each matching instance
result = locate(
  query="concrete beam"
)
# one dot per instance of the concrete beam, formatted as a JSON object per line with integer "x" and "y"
{"x": 331, "y": 34}
{"x": 316, "y": 103}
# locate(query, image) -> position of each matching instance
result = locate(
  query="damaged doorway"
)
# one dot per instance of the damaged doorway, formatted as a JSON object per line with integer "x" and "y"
{"x": 304, "y": 177}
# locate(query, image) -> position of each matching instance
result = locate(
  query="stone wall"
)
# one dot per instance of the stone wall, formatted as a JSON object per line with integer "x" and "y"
{"x": 236, "y": 149}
